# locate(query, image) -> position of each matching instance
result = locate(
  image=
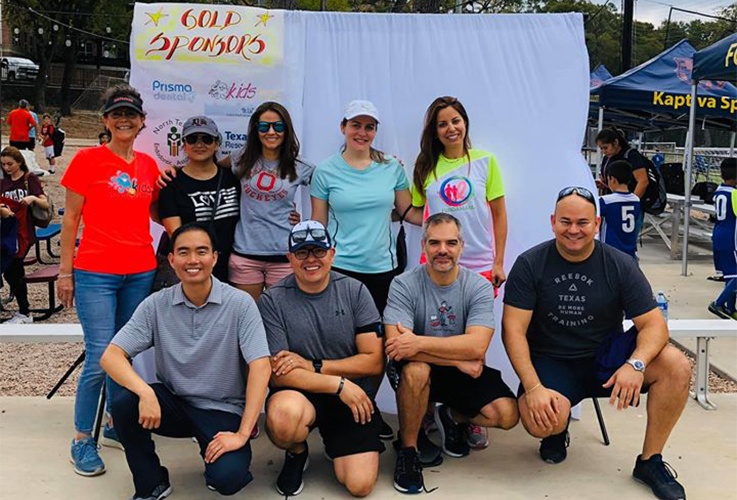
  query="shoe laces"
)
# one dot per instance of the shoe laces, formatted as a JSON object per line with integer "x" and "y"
{"x": 410, "y": 461}
{"x": 475, "y": 429}
{"x": 88, "y": 451}
{"x": 666, "y": 473}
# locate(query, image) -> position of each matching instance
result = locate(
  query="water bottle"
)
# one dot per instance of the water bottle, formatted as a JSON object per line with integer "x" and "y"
{"x": 662, "y": 301}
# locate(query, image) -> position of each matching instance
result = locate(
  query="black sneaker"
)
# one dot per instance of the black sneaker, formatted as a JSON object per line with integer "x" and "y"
{"x": 386, "y": 433}
{"x": 408, "y": 472}
{"x": 430, "y": 454}
{"x": 553, "y": 448}
{"x": 452, "y": 435}
{"x": 289, "y": 482}
{"x": 162, "y": 491}
{"x": 660, "y": 476}
{"x": 718, "y": 310}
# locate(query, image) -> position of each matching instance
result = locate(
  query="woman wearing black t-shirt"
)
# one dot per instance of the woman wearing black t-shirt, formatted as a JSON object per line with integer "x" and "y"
{"x": 614, "y": 147}
{"x": 202, "y": 192}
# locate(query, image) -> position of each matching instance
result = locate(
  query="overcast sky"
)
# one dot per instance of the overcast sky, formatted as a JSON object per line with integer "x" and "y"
{"x": 655, "y": 11}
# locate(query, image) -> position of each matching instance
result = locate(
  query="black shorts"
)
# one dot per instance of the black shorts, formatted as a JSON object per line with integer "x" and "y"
{"x": 19, "y": 144}
{"x": 573, "y": 378}
{"x": 377, "y": 284}
{"x": 341, "y": 435}
{"x": 463, "y": 393}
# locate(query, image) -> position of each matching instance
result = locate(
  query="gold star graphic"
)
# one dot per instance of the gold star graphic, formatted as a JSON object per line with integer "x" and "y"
{"x": 263, "y": 18}
{"x": 156, "y": 17}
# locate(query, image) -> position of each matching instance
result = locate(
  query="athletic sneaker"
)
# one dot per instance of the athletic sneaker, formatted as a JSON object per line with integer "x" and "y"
{"x": 160, "y": 492}
{"x": 478, "y": 437}
{"x": 20, "y": 319}
{"x": 553, "y": 448}
{"x": 660, "y": 476}
{"x": 430, "y": 454}
{"x": 255, "y": 432}
{"x": 408, "y": 472}
{"x": 289, "y": 482}
{"x": 386, "y": 433}
{"x": 86, "y": 460}
{"x": 52, "y": 170}
{"x": 110, "y": 438}
{"x": 718, "y": 310}
{"x": 452, "y": 434}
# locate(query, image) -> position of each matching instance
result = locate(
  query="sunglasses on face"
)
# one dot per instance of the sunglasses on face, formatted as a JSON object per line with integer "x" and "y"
{"x": 204, "y": 138}
{"x": 303, "y": 253}
{"x": 264, "y": 127}
{"x": 123, "y": 113}
{"x": 317, "y": 233}
{"x": 580, "y": 191}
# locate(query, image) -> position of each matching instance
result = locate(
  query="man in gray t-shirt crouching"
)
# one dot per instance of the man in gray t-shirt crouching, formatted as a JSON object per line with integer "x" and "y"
{"x": 205, "y": 333}
{"x": 439, "y": 321}
{"x": 322, "y": 332}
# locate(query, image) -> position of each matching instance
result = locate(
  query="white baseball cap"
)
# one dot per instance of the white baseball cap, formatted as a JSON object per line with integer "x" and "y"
{"x": 361, "y": 108}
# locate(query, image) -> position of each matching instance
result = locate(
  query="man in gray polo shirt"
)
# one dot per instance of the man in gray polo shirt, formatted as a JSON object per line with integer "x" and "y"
{"x": 205, "y": 333}
{"x": 439, "y": 321}
{"x": 322, "y": 330}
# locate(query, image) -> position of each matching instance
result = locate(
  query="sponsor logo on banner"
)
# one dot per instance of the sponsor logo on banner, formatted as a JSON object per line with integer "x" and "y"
{"x": 233, "y": 140}
{"x": 168, "y": 142}
{"x": 172, "y": 91}
{"x": 227, "y": 91}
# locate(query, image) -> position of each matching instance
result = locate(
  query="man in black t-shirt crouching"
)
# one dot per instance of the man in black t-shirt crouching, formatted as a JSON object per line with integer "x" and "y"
{"x": 564, "y": 304}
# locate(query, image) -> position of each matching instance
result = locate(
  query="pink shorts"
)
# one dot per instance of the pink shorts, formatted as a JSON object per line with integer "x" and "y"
{"x": 487, "y": 275}
{"x": 245, "y": 271}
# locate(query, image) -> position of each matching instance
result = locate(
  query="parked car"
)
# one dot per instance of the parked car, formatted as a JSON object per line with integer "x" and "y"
{"x": 18, "y": 68}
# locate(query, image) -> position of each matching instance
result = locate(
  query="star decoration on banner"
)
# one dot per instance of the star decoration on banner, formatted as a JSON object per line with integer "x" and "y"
{"x": 263, "y": 18}
{"x": 156, "y": 17}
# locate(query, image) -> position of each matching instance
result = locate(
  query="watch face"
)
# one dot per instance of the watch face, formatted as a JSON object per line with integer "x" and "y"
{"x": 638, "y": 365}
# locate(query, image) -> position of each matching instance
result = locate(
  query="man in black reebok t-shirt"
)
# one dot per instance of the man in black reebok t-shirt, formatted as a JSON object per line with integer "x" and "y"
{"x": 564, "y": 298}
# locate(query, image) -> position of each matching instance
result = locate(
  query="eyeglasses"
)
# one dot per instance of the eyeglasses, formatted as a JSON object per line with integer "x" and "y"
{"x": 117, "y": 114}
{"x": 206, "y": 139}
{"x": 303, "y": 253}
{"x": 580, "y": 191}
{"x": 318, "y": 234}
{"x": 264, "y": 127}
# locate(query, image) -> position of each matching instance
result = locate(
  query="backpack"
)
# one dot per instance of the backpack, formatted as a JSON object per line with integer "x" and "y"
{"x": 58, "y": 138}
{"x": 655, "y": 197}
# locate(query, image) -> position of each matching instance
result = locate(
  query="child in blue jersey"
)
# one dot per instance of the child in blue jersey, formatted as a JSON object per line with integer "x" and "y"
{"x": 620, "y": 210}
{"x": 724, "y": 240}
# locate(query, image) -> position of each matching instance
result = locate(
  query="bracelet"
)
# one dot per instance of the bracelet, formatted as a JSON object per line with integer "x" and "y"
{"x": 535, "y": 387}
{"x": 62, "y": 276}
{"x": 340, "y": 386}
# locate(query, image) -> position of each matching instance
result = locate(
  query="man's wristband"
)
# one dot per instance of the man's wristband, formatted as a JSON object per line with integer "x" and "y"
{"x": 340, "y": 386}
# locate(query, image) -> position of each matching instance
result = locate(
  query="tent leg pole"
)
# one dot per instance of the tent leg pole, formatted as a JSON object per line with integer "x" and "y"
{"x": 598, "y": 151}
{"x": 690, "y": 141}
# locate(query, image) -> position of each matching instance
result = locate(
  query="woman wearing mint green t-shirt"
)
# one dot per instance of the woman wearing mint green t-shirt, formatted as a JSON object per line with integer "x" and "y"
{"x": 353, "y": 194}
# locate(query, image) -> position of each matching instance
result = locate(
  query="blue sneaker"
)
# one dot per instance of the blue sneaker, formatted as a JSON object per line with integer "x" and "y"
{"x": 86, "y": 460}
{"x": 110, "y": 438}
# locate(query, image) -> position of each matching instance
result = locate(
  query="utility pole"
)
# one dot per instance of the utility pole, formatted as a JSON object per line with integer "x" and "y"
{"x": 627, "y": 20}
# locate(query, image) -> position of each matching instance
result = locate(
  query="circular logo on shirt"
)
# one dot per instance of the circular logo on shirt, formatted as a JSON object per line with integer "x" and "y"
{"x": 456, "y": 191}
{"x": 265, "y": 185}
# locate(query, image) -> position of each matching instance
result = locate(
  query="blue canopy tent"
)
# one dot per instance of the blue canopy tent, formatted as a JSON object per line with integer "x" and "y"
{"x": 599, "y": 76}
{"x": 658, "y": 90}
{"x": 716, "y": 62}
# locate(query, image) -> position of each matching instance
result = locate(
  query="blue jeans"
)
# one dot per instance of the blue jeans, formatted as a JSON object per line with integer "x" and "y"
{"x": 105, "y": 302}
{"x": 228, "y": 474}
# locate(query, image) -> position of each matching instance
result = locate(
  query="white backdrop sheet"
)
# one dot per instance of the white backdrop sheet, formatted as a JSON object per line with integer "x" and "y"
{"x": 524, "y": 80}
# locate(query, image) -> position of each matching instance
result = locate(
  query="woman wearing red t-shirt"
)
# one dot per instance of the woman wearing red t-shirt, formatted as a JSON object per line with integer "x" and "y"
{"x": 112, "y": 188}
{"x": 19, "y": 189}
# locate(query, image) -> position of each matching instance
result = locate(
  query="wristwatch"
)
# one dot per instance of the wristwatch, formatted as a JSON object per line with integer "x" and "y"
{"x": 637, "y": 364}
{"x": 317, "y": 364}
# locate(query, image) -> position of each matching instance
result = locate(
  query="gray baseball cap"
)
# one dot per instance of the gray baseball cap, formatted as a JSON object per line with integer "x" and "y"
{"x": 200, "y": 125}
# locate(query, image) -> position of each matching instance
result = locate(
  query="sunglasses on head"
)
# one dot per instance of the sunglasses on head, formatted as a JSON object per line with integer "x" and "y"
{"x": 204, "y": 138}
{"x": 264, "y": 127}
{"x": 303, "y": 253}
{"x": 318, "y": 234}
{"x": 580, "y": 191}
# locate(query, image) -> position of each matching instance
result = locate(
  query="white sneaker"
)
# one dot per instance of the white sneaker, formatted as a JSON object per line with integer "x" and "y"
{"x": 20, "y": 319}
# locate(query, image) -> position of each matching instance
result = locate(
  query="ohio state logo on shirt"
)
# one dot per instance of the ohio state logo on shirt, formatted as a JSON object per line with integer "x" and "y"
{"x": 456, "y": 191}
{"x": 265, "y": 186}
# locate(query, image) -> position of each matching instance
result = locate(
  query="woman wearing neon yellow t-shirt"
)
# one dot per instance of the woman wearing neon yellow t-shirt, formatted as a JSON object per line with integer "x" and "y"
{"x": 451, "y": 177}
